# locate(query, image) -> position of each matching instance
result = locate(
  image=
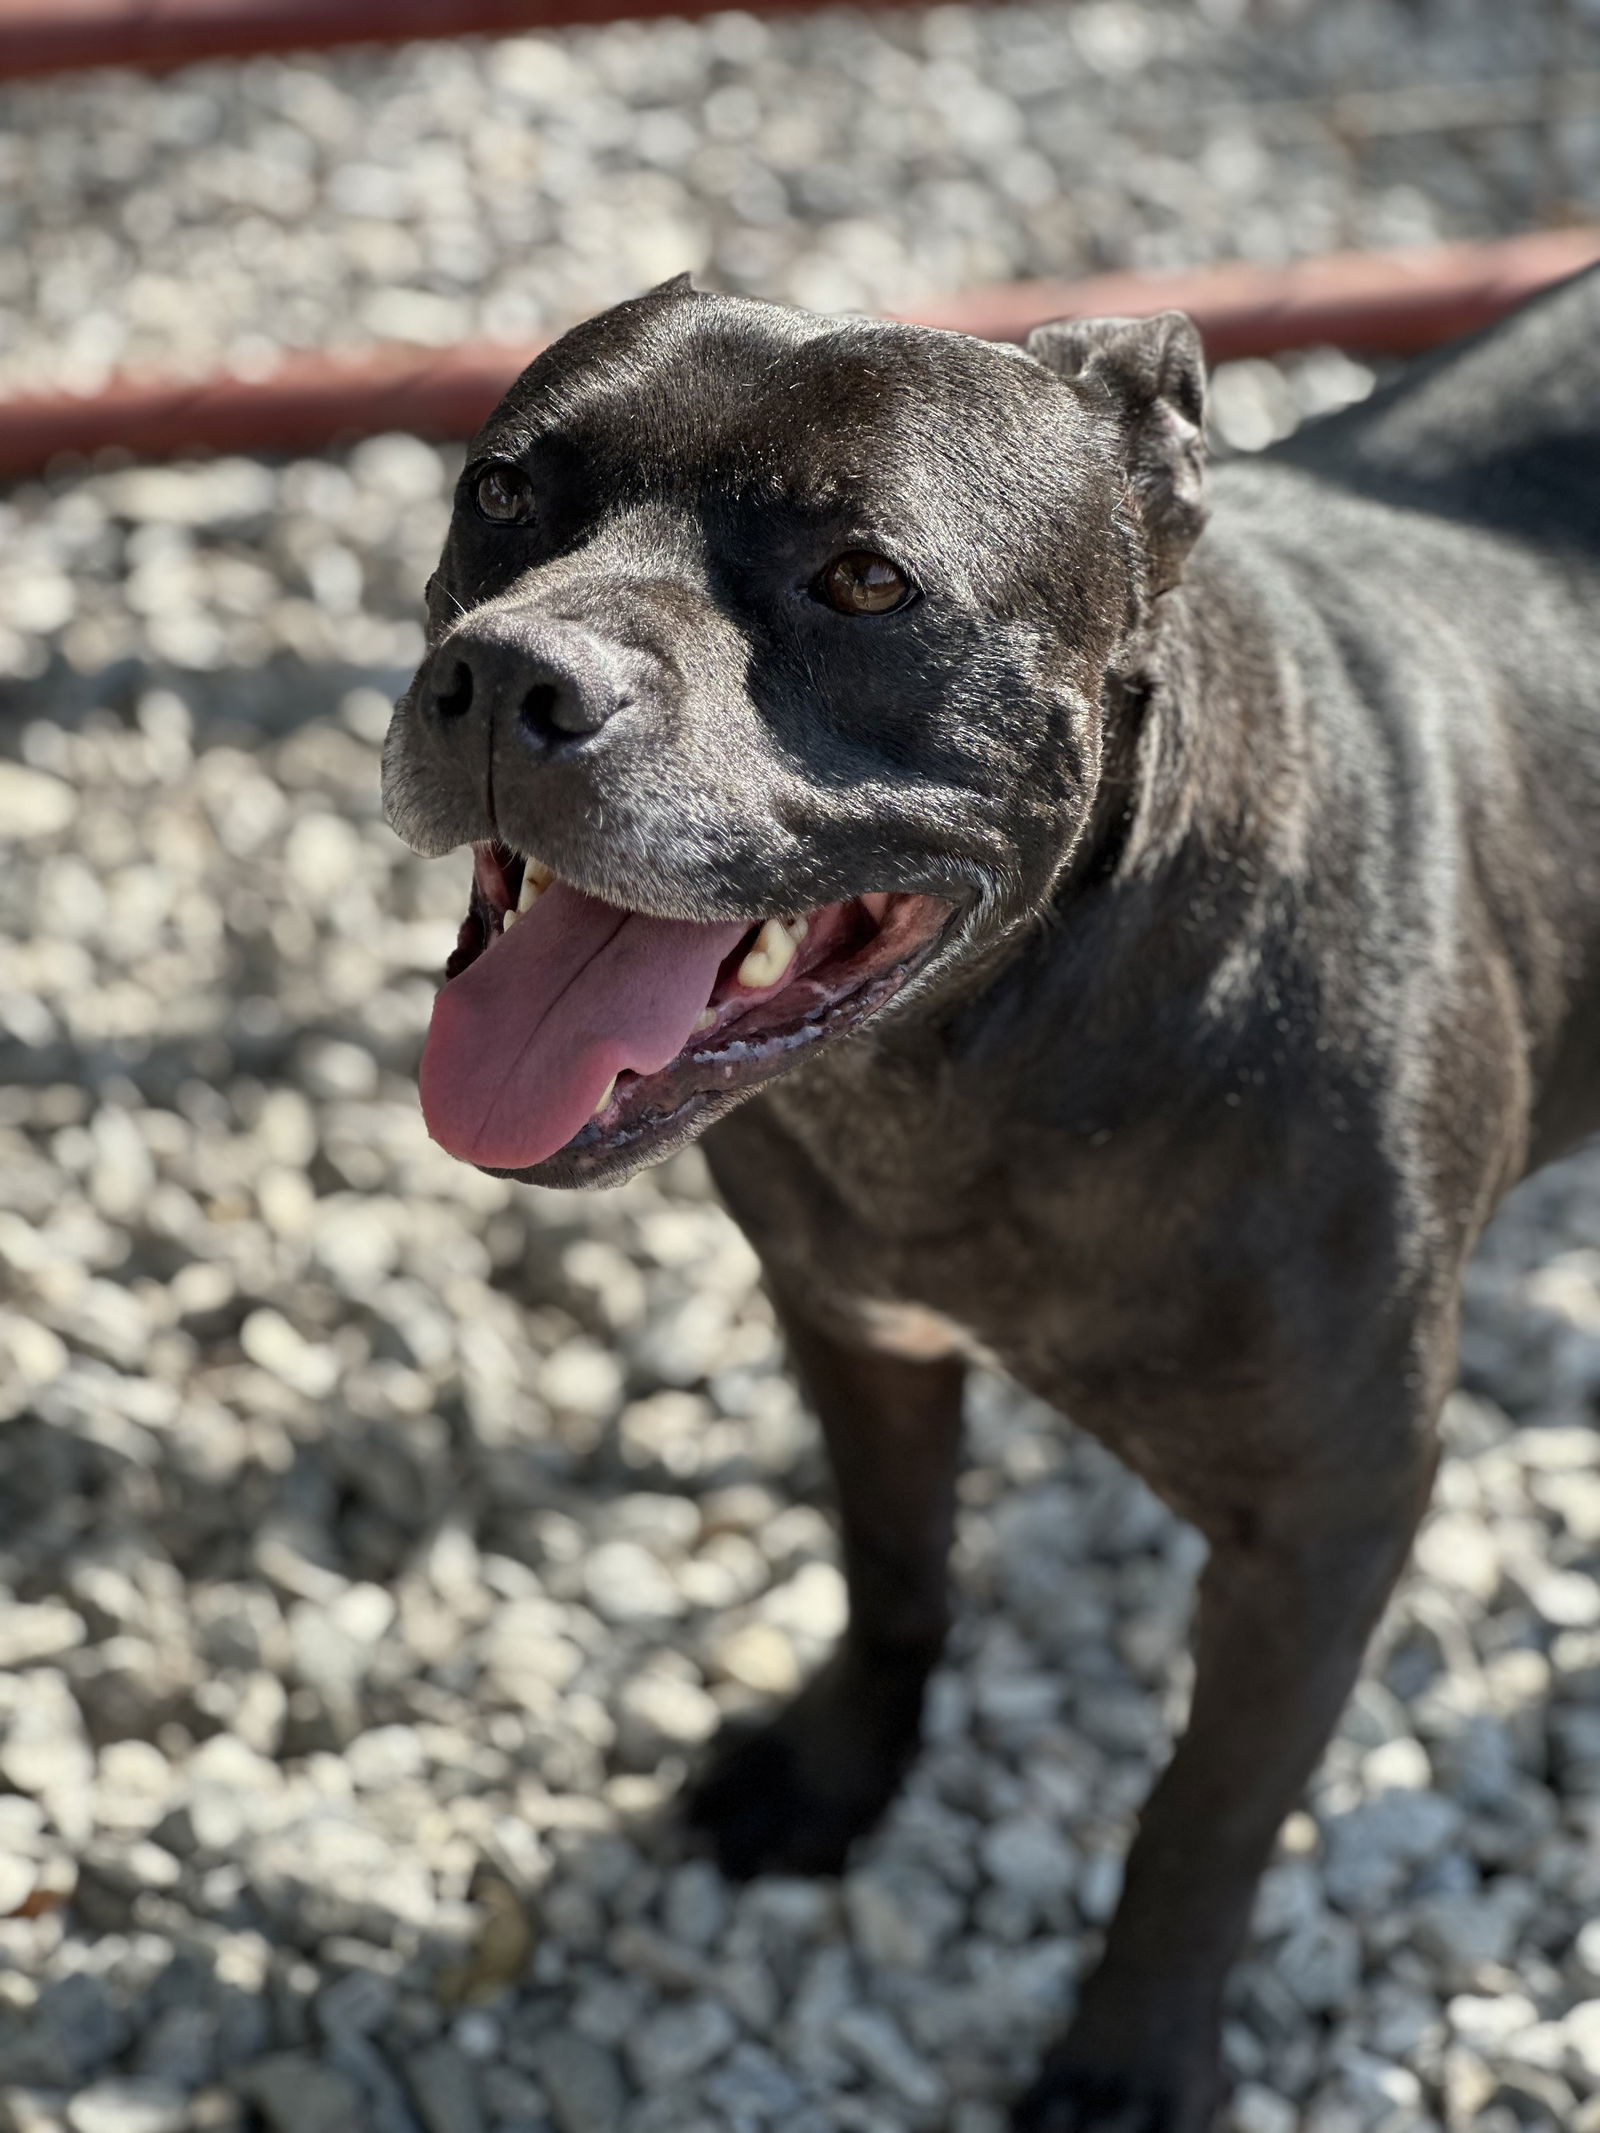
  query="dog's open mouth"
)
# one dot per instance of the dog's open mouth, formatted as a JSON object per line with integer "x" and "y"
{"x": 567, "y": 1022}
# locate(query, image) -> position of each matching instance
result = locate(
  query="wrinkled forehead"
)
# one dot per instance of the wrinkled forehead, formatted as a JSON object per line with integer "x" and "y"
{"x": 708, "y": 396}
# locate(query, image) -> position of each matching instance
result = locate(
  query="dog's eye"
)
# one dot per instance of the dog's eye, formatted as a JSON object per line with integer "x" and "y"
{"x": 861, "y": 583}
{"x": 504, "y": 494}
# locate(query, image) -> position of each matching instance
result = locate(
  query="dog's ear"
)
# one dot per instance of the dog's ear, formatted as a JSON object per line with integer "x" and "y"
{"x": 1153, "y": 373}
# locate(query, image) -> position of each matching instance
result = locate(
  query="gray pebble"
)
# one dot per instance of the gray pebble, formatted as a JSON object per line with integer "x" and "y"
{"x": 876, "y": 2043}
{"x": 356, "y": 2004}
{"x": 584, "y": 2083}
{"x": 298, "y": 2094}
{"x": 677, "y": 2043}
{"x": 695, "y": 1904}
{"x": 445, "y": 2090}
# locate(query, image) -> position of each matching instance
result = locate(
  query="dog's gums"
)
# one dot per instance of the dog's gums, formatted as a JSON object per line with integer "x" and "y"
{"x": 592, "y": 1030}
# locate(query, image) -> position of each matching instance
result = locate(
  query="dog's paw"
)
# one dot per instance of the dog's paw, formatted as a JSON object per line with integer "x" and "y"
{"x": 793, "y": 1796}
{"x": 762, "y": 1816}
{"x": 1069, "y": 2098}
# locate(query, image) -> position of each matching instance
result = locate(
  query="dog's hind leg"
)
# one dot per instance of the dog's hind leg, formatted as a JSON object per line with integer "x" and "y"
{"x": 791, "y": 1797}
{"x": 1298, "y": 1574}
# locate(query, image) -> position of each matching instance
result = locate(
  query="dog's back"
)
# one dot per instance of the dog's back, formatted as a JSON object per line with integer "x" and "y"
{"x": 1483, "y": 463}
{"x": 1502, "y": 429}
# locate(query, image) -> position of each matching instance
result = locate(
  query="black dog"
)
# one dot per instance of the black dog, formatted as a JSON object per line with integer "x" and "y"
{"x": 1215, "y": 919}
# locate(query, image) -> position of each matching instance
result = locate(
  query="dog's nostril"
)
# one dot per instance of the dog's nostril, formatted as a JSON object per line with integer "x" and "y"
{"x": 541, "y": 707}
{"x": 458, "y": 696}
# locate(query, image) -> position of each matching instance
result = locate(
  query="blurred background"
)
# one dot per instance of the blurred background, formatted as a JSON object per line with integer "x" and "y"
{"x": 379, "y": 1542}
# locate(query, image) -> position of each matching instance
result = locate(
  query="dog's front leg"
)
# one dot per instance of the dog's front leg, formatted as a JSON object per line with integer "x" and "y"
{"x": 1295, "y": 1582}
{"x": 791, "y": 1797}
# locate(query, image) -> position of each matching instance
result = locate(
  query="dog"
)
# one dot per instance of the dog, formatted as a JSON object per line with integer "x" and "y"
{"x": 1126, "y": 923}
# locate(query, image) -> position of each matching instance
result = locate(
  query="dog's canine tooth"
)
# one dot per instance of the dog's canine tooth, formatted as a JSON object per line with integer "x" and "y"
{"x": 773, "y": 952}
{"x": 605, "y": 1097}
{"x": 535, "y": 880}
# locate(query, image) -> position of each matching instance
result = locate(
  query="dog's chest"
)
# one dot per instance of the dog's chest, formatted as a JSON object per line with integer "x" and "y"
{"x": 956, "y": 1274}
{"x": 916, "y": 1332}
{"x": 924, "y": 1236}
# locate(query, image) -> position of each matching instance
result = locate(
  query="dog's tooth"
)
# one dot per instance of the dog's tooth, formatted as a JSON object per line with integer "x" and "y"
{"x": 535, "y": 880}
{"x": 704, "y": 1019}
{"x": 508, "y": 919}
{"x": 605, "y": 1097}
{"x": 771, "y": 956}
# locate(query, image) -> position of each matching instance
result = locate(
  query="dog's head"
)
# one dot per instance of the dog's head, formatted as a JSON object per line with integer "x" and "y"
{"x": 766, "y": 676}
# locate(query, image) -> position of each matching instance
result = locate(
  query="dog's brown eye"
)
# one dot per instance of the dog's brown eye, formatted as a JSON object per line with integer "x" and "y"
{"x": 505, "y": 494}
{"x": 861, "y": 583}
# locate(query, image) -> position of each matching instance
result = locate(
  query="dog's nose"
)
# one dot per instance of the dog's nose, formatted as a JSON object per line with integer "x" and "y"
{"x": 554, "y": 684}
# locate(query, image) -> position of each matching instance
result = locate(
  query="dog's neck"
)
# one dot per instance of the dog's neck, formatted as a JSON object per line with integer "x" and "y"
{"x": 1202, "y": 796}
{"x": 1160, "y": 910}
{"x": 1204, "y": 736}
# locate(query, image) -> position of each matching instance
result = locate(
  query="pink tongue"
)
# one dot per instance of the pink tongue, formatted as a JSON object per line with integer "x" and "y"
{"x": 523, "y": 1043}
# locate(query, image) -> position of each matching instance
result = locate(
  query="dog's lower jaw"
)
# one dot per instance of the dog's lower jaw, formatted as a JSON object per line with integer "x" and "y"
{"x": 786, "y": 990}
{"x": 587, "y": 1165}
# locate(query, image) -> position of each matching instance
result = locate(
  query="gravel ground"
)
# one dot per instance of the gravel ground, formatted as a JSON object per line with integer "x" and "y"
{"x": 380, "y": 1542}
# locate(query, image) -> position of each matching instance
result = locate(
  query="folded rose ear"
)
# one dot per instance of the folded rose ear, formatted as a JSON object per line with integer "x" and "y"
{"x": 1152, "y": 372}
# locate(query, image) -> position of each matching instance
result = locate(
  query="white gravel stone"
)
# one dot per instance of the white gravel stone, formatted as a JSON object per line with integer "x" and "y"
{"x": 42, "y": 1631}
{"x": 32, "y": 803}
{"x": 1485, "y": 2025}
{"x": 625, "y": 1583}
{"x": 658, "y": 1711}
{"x": 1580, "y": 2027}
{"x": 43, "y": 1749}
{"x": 128, "y": 2107}
{"x": 1460, "y": 1553}
{"x": 340, "y": 1875}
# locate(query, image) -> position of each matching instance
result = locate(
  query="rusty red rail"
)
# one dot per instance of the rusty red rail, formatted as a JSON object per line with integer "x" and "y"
{"x": 53, "y": 36}
{"x": 1377, "y": 303}
{"x": 1382, "y": 303}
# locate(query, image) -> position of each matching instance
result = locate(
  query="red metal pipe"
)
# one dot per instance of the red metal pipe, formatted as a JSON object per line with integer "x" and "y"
{"x": 1385, "y": 303}
{"x": 1375, "y": 303}
{"x": 53, "y": 36}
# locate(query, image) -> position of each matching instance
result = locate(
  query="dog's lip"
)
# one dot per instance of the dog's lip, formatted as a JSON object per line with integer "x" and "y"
{"x": 887, "y": 938}
{"x": 630, "y": 1130}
